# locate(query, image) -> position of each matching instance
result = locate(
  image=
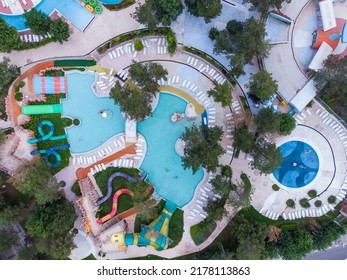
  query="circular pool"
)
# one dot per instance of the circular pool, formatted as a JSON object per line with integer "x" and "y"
{"x": 300, "y": 164}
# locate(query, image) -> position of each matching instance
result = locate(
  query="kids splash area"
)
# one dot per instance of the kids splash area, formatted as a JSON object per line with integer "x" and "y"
{"x": 299, "y": 166}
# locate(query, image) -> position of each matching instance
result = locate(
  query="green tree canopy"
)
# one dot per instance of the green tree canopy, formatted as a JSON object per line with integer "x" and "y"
{"x": 221, "y": 93}
{"x": 132, "y": 101}
{"x": 262, "y": 85}
{"x": 240, "y": 42}
{"x": 9, "y": 39}
{"x": 208, "y": 9}
{"x": 250, "y": 236}
{"x": 135, "y": 97}
{"x": 295, "y": 244}
{"x": 202, "y": 147}
{"x": 243, "y": 139}
{"x": 287, "y": 125}
{"x": 55, "y": 218}
{"x": 57, "y": 247}
{"x": 10, "y": 214}
{"x": 326, "y": 234}
{"x": 34, "y": 178}
{"x": 215, "y": 209}
{"x": 266, "y": 157}
{"x": 263, "y": 6}
{"x": 37, "y": 21}
{"x": 268, "y": 121}
{"x": 153, "y": 12}
{"x": 331, "y": 83}
{"x": 8, "y": 239}
{"x": 59, "y": 30}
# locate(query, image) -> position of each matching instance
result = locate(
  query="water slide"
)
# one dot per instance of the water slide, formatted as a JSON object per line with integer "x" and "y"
{"x": 49, "y": 135}
{"x": 114, "y": 205}
{"x": 51, "y": 152}
{"x": 41, "y": 109}
{"x": 143, "y": 176}
{"x": 156, "y": 234}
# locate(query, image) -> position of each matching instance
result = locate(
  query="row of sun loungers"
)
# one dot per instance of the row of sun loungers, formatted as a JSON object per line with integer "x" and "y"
{"x": 105, "y": 82}
{"x": 98, "y": 168}
{"x": 79, "y": 160}
{"x": 31, "y": 38}
{"x": 129, "y": 163}
{"x": 230, "y": 128}
{"x": 121, "y": 74}
{"x": 308, "y": 213}
{"x": 236, "y": 107}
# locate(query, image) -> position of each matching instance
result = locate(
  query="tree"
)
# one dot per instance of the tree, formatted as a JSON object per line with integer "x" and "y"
{"x": 240, "y": 195}
{"x": 268, "y": 121}
{"x": 172, "y": 42}
{"x": 266, "y": 157}
{"x": 208, "y": 9}
{"x": 9, "y": 39}
{"x": 59, "y": 30}
{"x": 10, "y": 214}
{"x": 34, "y": 178}
{"x": 222, "y": 183}
{"x": 8, "y": 74}
{"x": 294, "y": 245}
{"x": 138, "y": 45}
{"x": 202, "y": 147}
{"x": 326, "y": 234}
{"x": 147, "y": 75}
{"x": 215, "y": 209}
{"x": 135, "y": 97}
{"x": 132, "y": 101}
{"x": 250, "y": 236}
{"x": 56, "y": 247}
{"x": 153, "y": 12}
{"x": 287, "y": 124}
{"x": 243, "y": 139}
{"x": 38, "y": 22}
{"x": 51, "y": 219}
{"x": 331, "y": 83}
{"x": 240, "y": 42}
{"x": 262, "y": 85}
{"x": 263, "y": 6}
{"x": 221, "y": 93}
{"x": 8, "y": 239}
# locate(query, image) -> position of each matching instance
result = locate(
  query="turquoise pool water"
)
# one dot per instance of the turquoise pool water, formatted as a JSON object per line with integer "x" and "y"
{"x": 71, "y": 9}
{"x": 300, "y": 164}
{"x": 82, "y": 103}
{"x": 162, "y": 163}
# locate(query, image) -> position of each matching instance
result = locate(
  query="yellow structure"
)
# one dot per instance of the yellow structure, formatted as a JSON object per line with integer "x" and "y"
{"x": 90, "y": 8}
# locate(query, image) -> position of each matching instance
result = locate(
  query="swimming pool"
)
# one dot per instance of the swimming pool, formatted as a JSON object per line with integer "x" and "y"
{"x": 300, "y": 164}
{"x": 162, "y": 162}
{"x": 82, "y": 103}
{"x": 71, "y": 9}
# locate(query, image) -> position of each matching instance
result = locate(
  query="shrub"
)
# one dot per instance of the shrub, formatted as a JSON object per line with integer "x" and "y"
{"x": 172, "y": 41}
{"x": 21, "y": 84}
{"x": 304, "y": 203}
{"x": 290, "y": 203}
{"x": 76, "y": 122}
{"x": 138, "y": 45}
{"x": 318, "y": 203}
{"x": 275, "y": 187}
{"x": 66, "y": 122}
{"x": 332, "y": 199}
{"x": 213, "y": 33}
{"x": 312, "y": 193}
{"x": 18, "y": 96}
{"x": 76, "y": 189}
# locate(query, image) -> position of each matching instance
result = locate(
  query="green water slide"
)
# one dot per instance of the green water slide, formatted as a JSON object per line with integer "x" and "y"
{"x": 41, "y": 109}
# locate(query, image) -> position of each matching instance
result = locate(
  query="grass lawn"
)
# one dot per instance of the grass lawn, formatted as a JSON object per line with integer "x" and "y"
{"x": 89, "y": 258}
{"x": 59, "y": 130}
{"x": 125, "y": 202}
{"x": 201, "y": 231}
